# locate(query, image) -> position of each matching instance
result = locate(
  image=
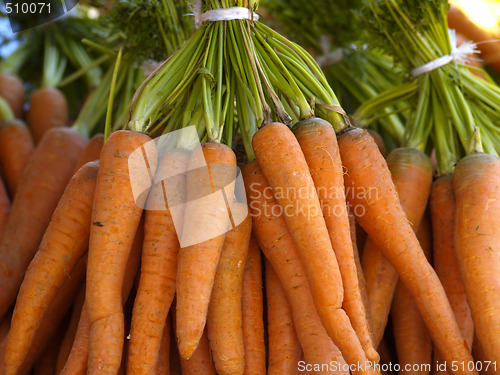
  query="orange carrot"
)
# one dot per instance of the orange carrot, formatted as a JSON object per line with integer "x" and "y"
{"x": 159, "y": 265}
{"x": 64, "y": 243}
{"x": 284, "y": 348}
{"x": 12, "y": 90}
{"x": 201, "y": 258}
{"x": 385, "y": 222}
{"x": 78, "y": 356}
{"x": 411, "y": 172}
{"x": 70, "y": 333}
{"x": 200, "y": 362}
{"x": 224, "y": 318}
{"x": 48, "y": 109}
{"x": 485, "y": 366}
{"x": 54, "y": 316}
{"x": 4, "y": 208}
{"x": 91, "y": 152}
{"x": 115, "y": 219}
{"x": 477, "y": 194}
{"x": 318, "y": 142}
{"x": 46, "y": 176}
{"x": 413, "y": 343}
{"x": 16, "y": 147}
{"x": 295, "y": 192}
{"x": 163, "y": 364}
{"x": 442, "y": 204}
{"x": 47, "y": 362}
{"x": 275, "y": 240}
{"x": 379, "y": 141}
{"x": 252, "y": 306}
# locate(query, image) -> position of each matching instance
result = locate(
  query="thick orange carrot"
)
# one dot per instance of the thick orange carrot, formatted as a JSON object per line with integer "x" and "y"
{"x": 275, "y": 240}
{"x": 413, "y": 343}
{"x": 64, "y": 243}
{"x": 200, "y": 362}
{"x": 4, "y": 208}
{"x": 70, "y": 333}
{"x": 158, "y": 266}
{"x": 54, "y": 316}
{"x": 78, "y": 356}
{"x": 284, "y": 348}
{"x": 47, "y": 362}
{"x": 282, "y": 161}
{"x": 385, "y": 222}
{"x": 224, "y": 318}
{"x": 163, "y": 363}
{"x": 91, "y": 152}
{"x": 318, "y": 142}
{"x": 411, "y": 172}
{"x": 16, "y": 147}
{"x": 115, "y": 219}
{"x": 252, "y": 306}
{"x": 48, "y": 109}
{"x": 46, "y": 176}
{"x": 12, "y": 90}
{"x": 197, "y": 263}
{"x": 477, "y": 194}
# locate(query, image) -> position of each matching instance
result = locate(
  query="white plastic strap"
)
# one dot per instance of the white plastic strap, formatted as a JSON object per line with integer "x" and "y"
{"x": 458, "y": 54}
{"x": 221, "y": 14}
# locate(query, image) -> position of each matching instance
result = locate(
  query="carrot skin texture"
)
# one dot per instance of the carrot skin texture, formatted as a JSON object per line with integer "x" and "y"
{"x": 200, "y": 362}
{"x": 64, "y": 243}
{"x": 91, "y": 152}
{"x": 411, "y": 172}
{"x": 413, "y": 342}
{"x": 12, "y": 91}
{"x": 366, "y": 169}
{"x": 477, "y": 239}
{"x": 252, "y": 306}
{"x": 224, "y": 318}
{"x": 41, "y": 187}
{"x": 48, "y": 110}
{"x": 318, "y": 142}
{"x": 158, "y": 266}
{"x": 284, "y": 348}
{"x": 4, "y": 208}
{"x": 16, "y": 147}
{"x": 115, "y": 220}
{"x": 193, "y": 292}
{"x": 276, "y": 243}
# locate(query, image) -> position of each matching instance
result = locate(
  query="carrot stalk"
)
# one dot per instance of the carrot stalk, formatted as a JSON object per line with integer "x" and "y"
{"x": 252, "y": 306}
{"x": 44, "y": 181}
{"x": 295, "y": 192}
{"x": 386, "y": 224}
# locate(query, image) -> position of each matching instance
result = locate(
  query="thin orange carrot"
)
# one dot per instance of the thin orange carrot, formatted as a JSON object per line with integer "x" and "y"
{"x": 252, "y": 306}
{"x": 284, "y": 348}
{"x": 91, "y": 152}
{"x": 276, "y": 243}
{"x": 47, "y": 362}
{"x": 16, "y": 147}
{"x": 163, "y": 363}
{"x": 411, "y": 173}
{"x": 282, "y": 161}
{"x": 413, "y": 342}
{"x": 385, "y": 222}
{"x": 200, "y": 363}
{"x": 4, "y": 208}
{"x": 115, "y": 219}
{"x": 224, "y": 318}
{"x": 477, "y": 219}
{"x": 201, "y": 258}
{"x": 44, "y": 181}
{"x": 158, "y": 266}
{"x": 48, "y": 109}
{"x": 318, "y": 142}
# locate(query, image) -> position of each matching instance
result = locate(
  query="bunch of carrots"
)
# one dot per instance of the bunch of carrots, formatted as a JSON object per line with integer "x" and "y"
{"x": 134, "y": 253}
